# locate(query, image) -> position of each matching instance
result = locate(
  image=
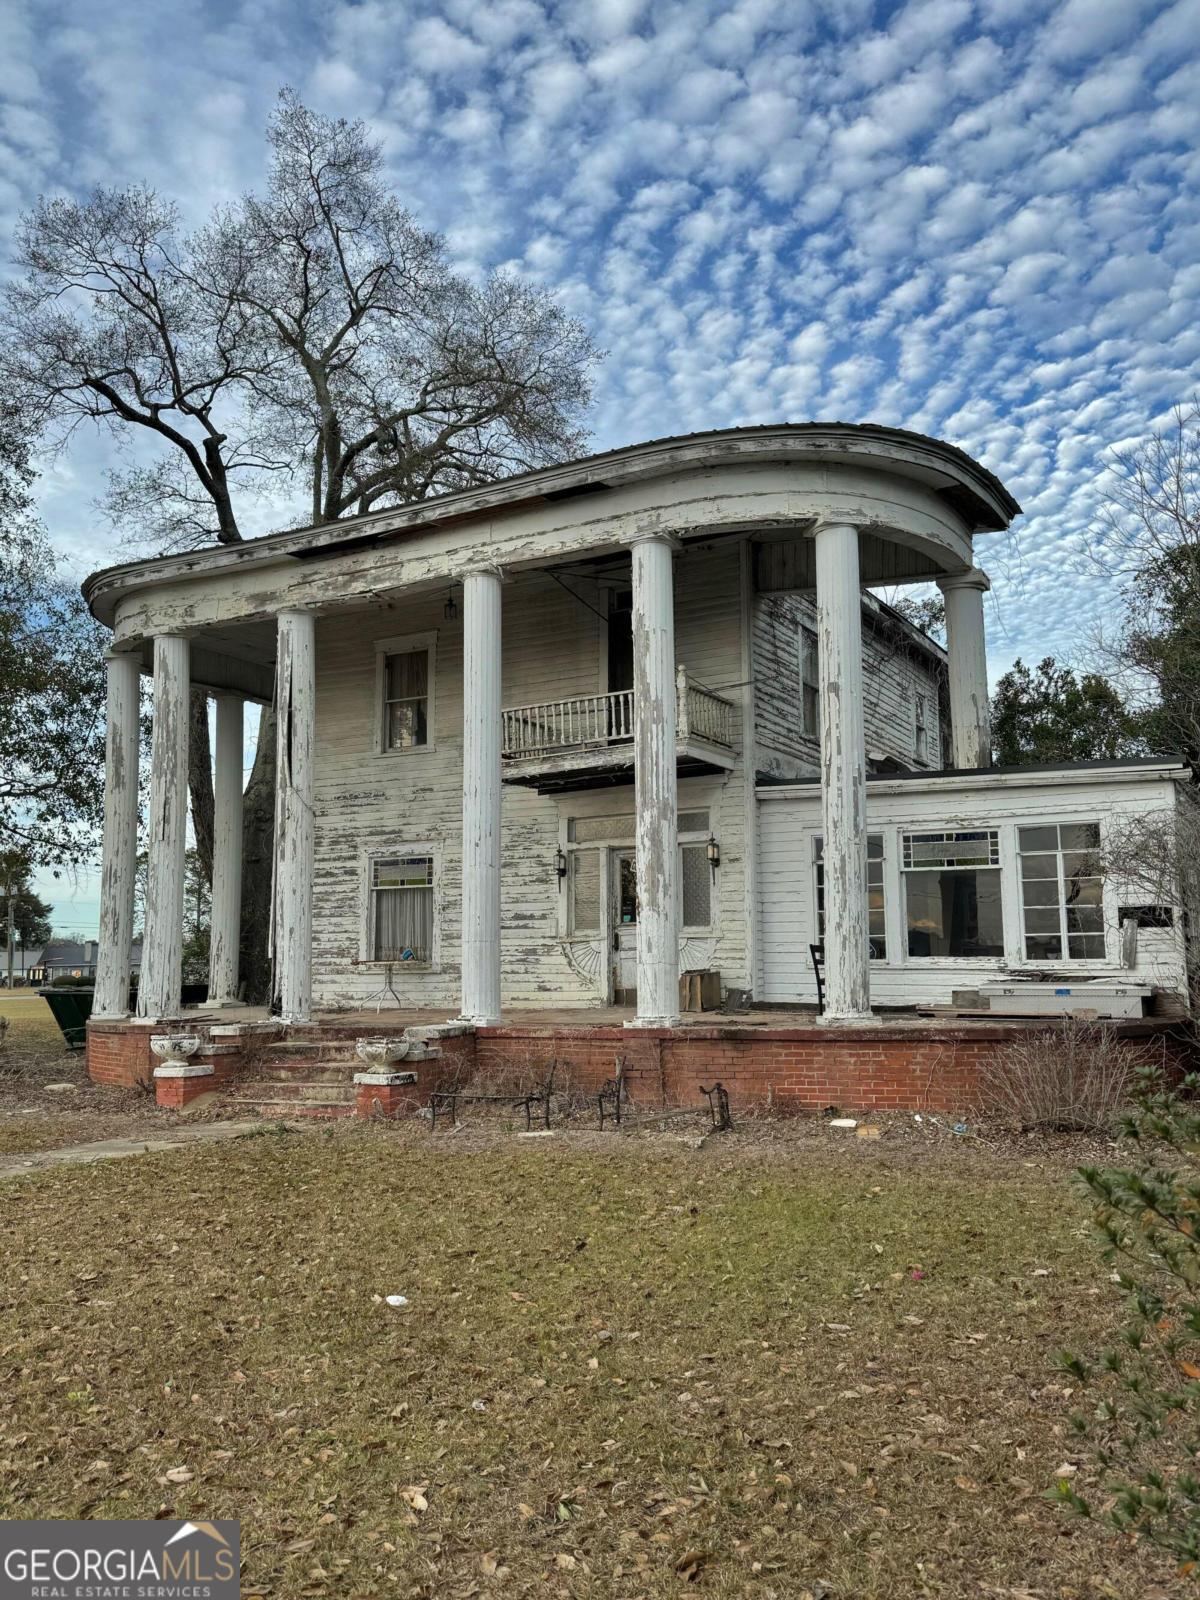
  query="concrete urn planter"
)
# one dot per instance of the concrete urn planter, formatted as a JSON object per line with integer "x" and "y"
{"x": 377, "y": 1055}
{"x": 174, "y": 1049}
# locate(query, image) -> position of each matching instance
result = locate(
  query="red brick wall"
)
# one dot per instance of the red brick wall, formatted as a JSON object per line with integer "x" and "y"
{"x": 803, "y": 1069}
{"x": 118, "y": 1054}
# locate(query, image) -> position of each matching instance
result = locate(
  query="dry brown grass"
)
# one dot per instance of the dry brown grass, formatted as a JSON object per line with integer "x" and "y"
{"x": 624, "y": 1368}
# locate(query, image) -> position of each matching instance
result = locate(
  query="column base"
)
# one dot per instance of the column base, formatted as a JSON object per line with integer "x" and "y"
{"x": 478, "y": 1022}
{"x": 854, "y": 1019}
{"x": 655, "y": 1022}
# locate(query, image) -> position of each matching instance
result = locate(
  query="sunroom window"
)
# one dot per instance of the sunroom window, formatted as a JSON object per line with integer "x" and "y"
{"x": 876, "y": 908}
{"x": 1062, "y": 892}
{"x": 952, "y": 894}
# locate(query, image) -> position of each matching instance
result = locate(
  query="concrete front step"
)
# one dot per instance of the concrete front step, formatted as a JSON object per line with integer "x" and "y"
{"x": 291, "y": 1110}
{"x": 284, "y": 1072}
{"x": 337, "y": 1092}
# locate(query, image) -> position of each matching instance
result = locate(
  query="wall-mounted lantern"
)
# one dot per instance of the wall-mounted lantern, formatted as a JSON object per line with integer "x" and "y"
{"x": 714, "y": 854}
{"x": 450, "y": 609}
{"x": 560, "y": 863}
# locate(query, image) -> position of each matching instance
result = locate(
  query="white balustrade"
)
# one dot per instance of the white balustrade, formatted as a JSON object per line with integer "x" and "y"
{"x": 598, "y": 720}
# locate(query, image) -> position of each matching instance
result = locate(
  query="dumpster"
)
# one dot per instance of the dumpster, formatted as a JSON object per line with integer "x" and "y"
{"x": 71, "y": 1008}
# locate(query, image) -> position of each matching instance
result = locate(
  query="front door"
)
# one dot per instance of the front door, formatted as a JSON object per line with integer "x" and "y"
{"x": 622, "y": 877}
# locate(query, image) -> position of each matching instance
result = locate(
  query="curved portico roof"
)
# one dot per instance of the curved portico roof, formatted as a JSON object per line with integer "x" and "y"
{"x": 972, "y": 498}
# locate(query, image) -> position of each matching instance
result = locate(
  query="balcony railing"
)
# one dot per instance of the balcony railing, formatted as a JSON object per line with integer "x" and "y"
{"x": 599, "y": 720}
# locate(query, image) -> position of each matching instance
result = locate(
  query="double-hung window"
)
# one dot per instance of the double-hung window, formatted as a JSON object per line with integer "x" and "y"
{"x": 1062, "y": 892}
{"x": 404, "y": 693}
{"x": 402, "y": 909}
{"x": 921, "y": 729}
{"x": 876, "y": 904}
{"x": 952, "y": 893}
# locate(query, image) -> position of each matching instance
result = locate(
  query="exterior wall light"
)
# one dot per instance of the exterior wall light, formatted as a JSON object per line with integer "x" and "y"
{"x": 714, "y": 854}
{"x": 450, "y": 609}
{"x": 560, "y": 863}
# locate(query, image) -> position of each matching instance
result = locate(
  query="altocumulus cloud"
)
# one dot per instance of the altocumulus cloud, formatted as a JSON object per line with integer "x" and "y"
{"x": 977, "y": 218}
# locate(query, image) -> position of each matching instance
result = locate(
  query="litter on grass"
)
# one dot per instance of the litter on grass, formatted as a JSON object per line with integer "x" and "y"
{"x": 396, "y": 1299}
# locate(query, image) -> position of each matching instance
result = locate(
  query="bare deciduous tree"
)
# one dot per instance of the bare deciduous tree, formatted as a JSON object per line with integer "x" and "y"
{"x": 311, "y": 339}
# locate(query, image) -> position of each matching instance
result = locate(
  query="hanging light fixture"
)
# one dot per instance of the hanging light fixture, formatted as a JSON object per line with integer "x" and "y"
{"x": 450, "y": 609}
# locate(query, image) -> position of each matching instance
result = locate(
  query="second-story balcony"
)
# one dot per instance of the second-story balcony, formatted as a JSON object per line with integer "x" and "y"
{"x": 585, "y": 741}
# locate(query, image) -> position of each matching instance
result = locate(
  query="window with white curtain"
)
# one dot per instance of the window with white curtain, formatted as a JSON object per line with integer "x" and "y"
{"x": 405, "y": 671}
{"x": 402, "y": 909}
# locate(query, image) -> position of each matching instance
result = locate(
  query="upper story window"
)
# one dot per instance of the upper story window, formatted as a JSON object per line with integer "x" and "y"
{"x": 876, "y": 903}
{"x": 921, "y": 728}
{"x": 810, "y": 684}
{"x": 404, "y": 679}
{"x": 952, "y": 897}
{"x": 1062, "y": 892}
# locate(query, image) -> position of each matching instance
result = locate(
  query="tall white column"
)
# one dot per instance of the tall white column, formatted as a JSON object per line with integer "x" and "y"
{"x": 481, "y": 797}
{"x": 843, "y": 774}
{"x": 970, "y": 720}
{"x": 225, "y": 936}
{"x": 291, "y": 921}
{"x": 119, "y": 851}
{"x": 162, "y": 937}
{"x": 655, "y": 786}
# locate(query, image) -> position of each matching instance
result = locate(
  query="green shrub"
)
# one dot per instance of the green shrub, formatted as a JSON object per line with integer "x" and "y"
{"x": 1143, "y": 1428}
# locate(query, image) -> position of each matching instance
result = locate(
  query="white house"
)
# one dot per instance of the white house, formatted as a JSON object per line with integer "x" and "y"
{"x": 551, "y": 742}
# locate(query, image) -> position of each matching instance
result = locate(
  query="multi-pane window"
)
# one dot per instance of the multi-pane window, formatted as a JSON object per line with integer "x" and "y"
{"x": 876, "y": 908}
{"x": 402, "y": 909}
{"x": 1062, "y": 892}
{"x": 586, "y": 877}
{"x": 952, "y": 893}
{"x": 406, "y": 699}
{"x": 810, "y": 685}
{"x": 696, "y": 880}
{"x": 590, "y": 840}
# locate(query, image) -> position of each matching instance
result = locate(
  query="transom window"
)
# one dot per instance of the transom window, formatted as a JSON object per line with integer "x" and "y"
{"x": 876, "y": 904}
{"x": 402, "y": 909}
{"x": 1062, "y": 892}
{"x": 952, "y": 895}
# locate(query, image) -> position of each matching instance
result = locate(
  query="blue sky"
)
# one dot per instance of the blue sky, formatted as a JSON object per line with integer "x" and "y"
{"x": 976, "y": 218}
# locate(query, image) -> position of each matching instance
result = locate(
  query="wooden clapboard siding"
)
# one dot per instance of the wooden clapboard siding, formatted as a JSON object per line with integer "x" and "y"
{"x": 894, "y": 672}
{"x": 368, "y": 804}
{"x": 789, "y": 821}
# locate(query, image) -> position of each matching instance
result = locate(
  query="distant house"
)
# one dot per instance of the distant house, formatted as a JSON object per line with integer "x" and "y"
{"x": 69, "y": 958}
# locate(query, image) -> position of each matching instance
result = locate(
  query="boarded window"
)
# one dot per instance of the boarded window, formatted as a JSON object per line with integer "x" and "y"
{"x": 1062, "y": 892}
{"x": 876, "y": 905}
{"x": 402, "y": 909}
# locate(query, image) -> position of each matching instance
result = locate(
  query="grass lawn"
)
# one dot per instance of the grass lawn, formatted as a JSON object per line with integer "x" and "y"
{"x": 625, "y": 1367}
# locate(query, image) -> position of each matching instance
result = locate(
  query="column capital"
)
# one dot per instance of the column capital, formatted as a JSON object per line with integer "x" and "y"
{"x": 972, "y": 578}
{"x": 479, "y": 569}
{"x": 828, "y": 524}
{"x": 117, "y": 652}
{"x": 653, "y": 536}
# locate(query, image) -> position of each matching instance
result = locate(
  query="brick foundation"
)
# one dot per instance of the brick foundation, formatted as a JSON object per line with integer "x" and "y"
{"x": 909, "y": 1066}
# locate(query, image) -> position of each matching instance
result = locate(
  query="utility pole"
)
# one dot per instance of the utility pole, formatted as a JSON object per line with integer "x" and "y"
{"x": 12, "y": 929}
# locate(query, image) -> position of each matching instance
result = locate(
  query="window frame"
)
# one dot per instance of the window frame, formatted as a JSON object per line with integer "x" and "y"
{"x": 402, "y": 851}
{"x": 920, "y": 727}
{"x": 1106, "y": 921}
{"x": 810, "y": 677}
{"x": 996, "y": 862}
{"x": 405, "y": 644}
{"x": 817, "y": 863}
{"x": 690, "y": 838}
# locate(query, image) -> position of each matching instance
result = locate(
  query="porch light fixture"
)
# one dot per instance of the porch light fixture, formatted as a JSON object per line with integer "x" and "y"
{"x": 714, "y": 854}
{"x": 450, "y": 609}
{"x": 560, "y": 863}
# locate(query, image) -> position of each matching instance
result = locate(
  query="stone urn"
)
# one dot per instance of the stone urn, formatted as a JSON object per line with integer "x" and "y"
{"x": 377, "y": 1055}
{"x": 174, "y": 1049}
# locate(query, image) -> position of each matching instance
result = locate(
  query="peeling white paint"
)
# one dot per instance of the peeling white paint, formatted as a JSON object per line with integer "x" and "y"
{"x": 162, "y": 943}
{"x": 227, "y": 852}
{"x": 966, "y": 642}
{"x": 295, "y": 700}
{"x": 843, "y": 773}
{"x": 119, "y": 857}
{"x": 655, "y": 780}
{"x": 481, "y": 797}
